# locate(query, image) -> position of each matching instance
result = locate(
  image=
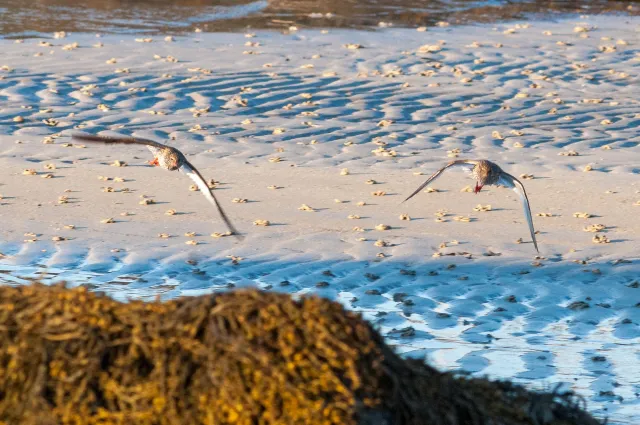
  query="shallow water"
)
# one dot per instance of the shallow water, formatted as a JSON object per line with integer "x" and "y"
{"x": 31, "y": 18}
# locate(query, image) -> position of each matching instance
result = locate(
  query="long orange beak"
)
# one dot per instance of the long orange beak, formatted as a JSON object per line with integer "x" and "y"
{"x": 478, "y": 188}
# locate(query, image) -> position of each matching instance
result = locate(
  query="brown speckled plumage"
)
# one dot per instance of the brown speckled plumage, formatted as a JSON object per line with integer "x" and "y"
{"x": 168, "y": 158}
{"x": 487, "y": 173}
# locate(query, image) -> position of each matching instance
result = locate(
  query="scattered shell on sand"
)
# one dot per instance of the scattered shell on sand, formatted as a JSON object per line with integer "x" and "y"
{"x": 568, "y": 153}
{"x": 108, "y": 189}
{"x": 462, "y": 218}
{"x": 357, "y": 229}
{"x": 482, "y": 208}
{"x": 70, "y": 226}
{"x": 29, "y": 172}
{"x": 337, "y": 201}
{"x": 191, "y": 242}
{"x": 582, "y": 215}
{"x": 518, "y": 145}
{"x": 379, "y": 193}
{"x": 352, "y": 46}
{"x": 593, "y": 228}
{"x": 405, "y": 217}
{"x": 431, "y": 190}
{"x": 147, "y": 201}
{"x": 275, "y": 159}
{"x": 526, "y": 176}
{"x": 587, "y": 168}
{"x": 497, "y": 135}
{"x": 353, "y": 217}
{"x": 305, "y": 207}
{"x": 544, "y": 214}
{"x": 429, "y": 48}
{"x": 193, "y": 188}
{"x": 107, "y": 221}
{"x": 164, "y": 235}
{"x": 466, "y": 189}
{"x": 220, "y": 235}
{"x": 384, "y": 123}
{"x": 239, "y": 200}
{"x": 18, "y": 119}
{"x": 63, "y": 200}
{"x": 274, "y": 187}
{"x": 170, "y": 212}
{"x": 261, "y": 223}
{"x": 371, "y": 181}
{"x": 381, "y": 243}
{"x": 190, "y": 234}
{"x": 382, "y": 227}
{"x": 118, "y": 163}
{"x": 637, "y": 204}
{"x": 600, "y": 239}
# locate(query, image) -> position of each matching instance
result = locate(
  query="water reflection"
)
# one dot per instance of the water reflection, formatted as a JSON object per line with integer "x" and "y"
{"x": 24, "y": 18}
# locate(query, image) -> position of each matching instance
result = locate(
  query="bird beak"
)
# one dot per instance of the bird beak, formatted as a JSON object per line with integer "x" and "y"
{"x": 478, "y": 188}
{"x": 154, "y": 162}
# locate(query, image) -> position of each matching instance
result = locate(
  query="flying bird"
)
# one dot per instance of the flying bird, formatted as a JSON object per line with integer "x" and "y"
{"x": 168, "y": 158}
{"x": 487, "y": 173}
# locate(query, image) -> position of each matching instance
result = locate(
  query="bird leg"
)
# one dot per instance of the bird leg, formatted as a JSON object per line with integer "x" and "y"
{"x": 154, "y": 162}
{"x": 478, "y": 188}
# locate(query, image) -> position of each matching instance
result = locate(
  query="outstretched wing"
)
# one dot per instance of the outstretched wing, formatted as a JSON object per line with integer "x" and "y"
{"x": 513, "y": 183}
{"x": 195, "y": 175}
{"x": 92, "y": 138}
{"x": 465, "y": 163}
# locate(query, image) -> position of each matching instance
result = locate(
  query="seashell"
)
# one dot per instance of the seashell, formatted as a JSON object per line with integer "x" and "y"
{"x": 111, "y": 61}
{"x": 63, "y": 200}
{"x": 220, "y": 235}
{"x": 118, "y": 163}
{"x": 275, "y": 159}
{"x": 431, "y": 190}
{"x": 239, "y": 200}
{"x": 466, "y": 189}
{"x": 274, "y": 187}
{"x": 170, "y": 212}
{"x": 544, "y": 214}
{"x": 429, "y": 48}
{"x": 582, "y": 215}
{"x": 305, "y": 207}
{"x": 384, "y": 123}
{"x": 482, "y": 208}
{"x": 405, "y": 217}
{"x": 593, "y": 228}
{"x": 29, "y": 172}
{"x": 18, "y": 119}
{"x": 190, "y": 234}
{"x": 587, "y": 168}
{"x": 353, "y": 217}
{"x": 337, "y": 201}
{"x": 147, "y": 201}
{"x": 361, "y": 204}
{"x": 107, "y": 221}
{"x": 568, "y": 153}
{"x": 261, "y": 223}
{"x": 108, "y": 189}
{"x": 462, "y": 218}
{"x": 58, "y": 239}
{"x": 381, "y": 243}
{"x": 518, "y": 145}
{"x": 357, "y": 229}
{"x": 526, "y": 176}
{"x": 382, "y": 227}
{"x": 379, "y": 193}
{"x": 191, "y": 242}
{"x": 371, "y": 181}
{"x": 193, "y": 188}
{"x": 600, "y": 239}
{"x": 70, "y": 226}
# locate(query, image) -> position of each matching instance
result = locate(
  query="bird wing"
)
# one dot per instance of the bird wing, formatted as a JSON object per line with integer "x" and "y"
{"x": 465, "y": 163}
{"x": 195, "y": 175}
{"x": 92, "y": 138}
{"x": 511, "y": 182}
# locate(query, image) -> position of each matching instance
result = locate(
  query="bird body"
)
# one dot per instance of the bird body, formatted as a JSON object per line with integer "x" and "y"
{"x": 168, "y": 158}
{"x": 488, "y": 173}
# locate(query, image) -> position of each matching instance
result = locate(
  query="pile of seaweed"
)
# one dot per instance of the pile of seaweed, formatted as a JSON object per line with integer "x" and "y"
{"x": 68, "y": 356}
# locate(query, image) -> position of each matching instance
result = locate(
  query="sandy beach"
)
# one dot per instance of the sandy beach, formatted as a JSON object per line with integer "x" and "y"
{"x": 322, "y": 134}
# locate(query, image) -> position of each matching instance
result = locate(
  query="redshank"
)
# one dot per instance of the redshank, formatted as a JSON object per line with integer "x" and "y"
{"x": 487, "y": 173}
{"x": 168, "y": 158}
